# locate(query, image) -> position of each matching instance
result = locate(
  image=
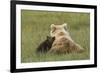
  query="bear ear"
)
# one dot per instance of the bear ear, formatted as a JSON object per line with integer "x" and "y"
{"x": 52, "y": 25}
{"x": 53, "y": 28}
{"x": 65, "y": 24}
{"x": 48, "y": 37}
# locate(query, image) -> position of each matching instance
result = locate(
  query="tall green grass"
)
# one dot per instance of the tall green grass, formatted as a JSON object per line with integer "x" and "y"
{"x": 35, "y": 26}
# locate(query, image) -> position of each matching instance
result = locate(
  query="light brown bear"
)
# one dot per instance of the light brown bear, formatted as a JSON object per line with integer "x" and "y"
{"x": 63, "y": 42}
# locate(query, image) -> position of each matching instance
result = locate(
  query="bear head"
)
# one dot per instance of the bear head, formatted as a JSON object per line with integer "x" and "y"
{"x": 58, "y": 30}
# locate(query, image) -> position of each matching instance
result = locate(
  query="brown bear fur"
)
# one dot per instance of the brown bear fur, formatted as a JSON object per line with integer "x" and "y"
{"x": 63, "y": 42}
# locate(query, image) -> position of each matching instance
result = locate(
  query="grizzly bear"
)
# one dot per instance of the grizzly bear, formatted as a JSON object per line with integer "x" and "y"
{"x": 63, "y": 42}
{"x": 45, "y": 45}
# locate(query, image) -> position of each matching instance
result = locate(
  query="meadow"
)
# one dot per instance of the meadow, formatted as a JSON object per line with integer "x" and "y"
{"x": 35, "y": 26}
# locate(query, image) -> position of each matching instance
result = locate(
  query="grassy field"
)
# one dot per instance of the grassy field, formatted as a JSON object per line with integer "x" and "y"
{"x": 36, "y": 26}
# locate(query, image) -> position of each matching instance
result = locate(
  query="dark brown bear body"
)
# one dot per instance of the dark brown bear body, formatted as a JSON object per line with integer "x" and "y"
{"x": 45, "y": 45}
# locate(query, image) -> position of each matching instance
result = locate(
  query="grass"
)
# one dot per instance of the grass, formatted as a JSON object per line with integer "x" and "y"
{"x": 35, "y": 26}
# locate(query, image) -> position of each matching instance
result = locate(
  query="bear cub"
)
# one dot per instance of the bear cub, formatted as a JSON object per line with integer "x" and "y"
{"x": 45, "y": 46}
